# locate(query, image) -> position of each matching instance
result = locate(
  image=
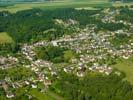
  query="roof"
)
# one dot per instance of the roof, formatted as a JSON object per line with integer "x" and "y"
{"x": 2, "y": 81}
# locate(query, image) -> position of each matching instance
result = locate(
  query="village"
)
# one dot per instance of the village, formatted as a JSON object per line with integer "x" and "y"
{"x": 94, "y": 50}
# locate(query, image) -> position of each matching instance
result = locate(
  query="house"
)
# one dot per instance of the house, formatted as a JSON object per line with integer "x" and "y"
{"x": 108, "y": 71}
{"x": 10, "y": 95}
{"x": 80, "y": 74}
{"x": 101, "y": 69}
{"x": 27, "y": 83}
{"x": 54, "y": 43}
{"x": 2, "y": 60}
{"x": 15, "y": 85}
{"x": 47, "y": 82}
{"x": 2, "y": 82}
{"x": 125, "y": 57}
{"x": 33, "y": 86}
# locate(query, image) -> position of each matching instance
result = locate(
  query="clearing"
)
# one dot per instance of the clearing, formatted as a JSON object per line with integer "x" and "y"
{"x": 126, "y": 66}
{"x": 5, "y": 38}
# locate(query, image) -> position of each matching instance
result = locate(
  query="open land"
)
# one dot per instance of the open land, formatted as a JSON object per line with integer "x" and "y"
{"x": 126, "y": 66}
{"x": 5, "y": 38}
{"x": 53, "y": 5}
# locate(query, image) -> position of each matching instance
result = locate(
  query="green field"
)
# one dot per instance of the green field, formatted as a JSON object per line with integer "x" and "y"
{"x": 45, "y": 96}
{"x": 5, "y": 38}
{"x": 39, "y": 95}
{"x": 91, "y": 4}
{"x": 58, "y": 4}
{"x": 55, "y": 96}
{"x": 126, "y": 66}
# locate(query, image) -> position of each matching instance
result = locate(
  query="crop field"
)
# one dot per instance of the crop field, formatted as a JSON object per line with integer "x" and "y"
{"x": 58, "y": 4}
{"x": 5, "y": 38}
{"x": 91, "y": 4}
{"x": 126, "y": 66}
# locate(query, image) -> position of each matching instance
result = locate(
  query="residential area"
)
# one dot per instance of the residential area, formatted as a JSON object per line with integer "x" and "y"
{"x": 88, "y": 49}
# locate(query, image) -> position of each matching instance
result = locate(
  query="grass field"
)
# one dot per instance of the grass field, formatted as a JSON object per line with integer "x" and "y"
{"x": 40, "y": 96}
{"x": 45, "y": 96}
{"x": 58, "y": 4}
{"x": 5, "y": 38}
{"x": 55, "y": 96}
{"x": 126, "y": 66}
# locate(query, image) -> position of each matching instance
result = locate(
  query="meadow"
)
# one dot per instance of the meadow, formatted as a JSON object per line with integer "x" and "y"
{"x": 39, "y": 95}
{"x": 48, "y": 95}
{"x": 5, "y": 38}
{"x": 126, "y": 66}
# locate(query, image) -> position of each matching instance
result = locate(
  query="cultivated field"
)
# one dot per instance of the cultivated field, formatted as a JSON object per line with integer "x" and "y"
{"x": 57, "y": 4}
{"x": 5, "y": 38}
{"x": 93, "y": 4}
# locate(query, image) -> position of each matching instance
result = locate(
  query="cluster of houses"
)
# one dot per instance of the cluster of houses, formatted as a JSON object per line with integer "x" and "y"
{"x": 8, "y": 62}
{"x": 67, "y": 23}
{"x": 36, "y": 65}
{"x": 102, "y": 69}
{"x": 90, "y": 46}
{"x": 6, "y": 84}
{"x": 110, "y": 15}
{"x": 93, "y": 47}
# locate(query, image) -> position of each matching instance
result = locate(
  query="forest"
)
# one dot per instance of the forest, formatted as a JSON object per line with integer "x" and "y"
{"x": 54, "y": 54}
{"x": 93, "y": 87}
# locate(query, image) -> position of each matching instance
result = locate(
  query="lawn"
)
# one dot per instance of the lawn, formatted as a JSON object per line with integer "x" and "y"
{"x": 126, "y": 66}
{"x": 5, "y": 38}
